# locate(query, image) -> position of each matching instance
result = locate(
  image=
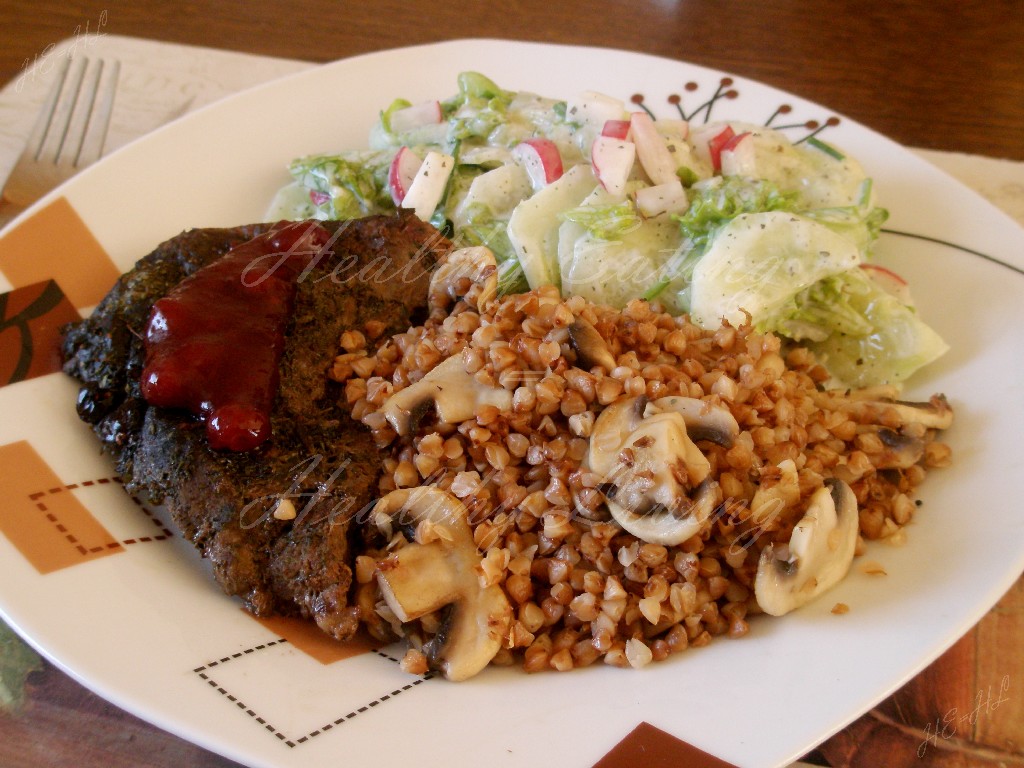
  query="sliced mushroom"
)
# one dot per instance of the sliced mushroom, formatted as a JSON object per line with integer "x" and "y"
{"x": 610, "y": 431}
{"x": 901, "y": 451}
{"x": 455, "y": 395}
{"x": 463, "y": 269}
{"x": 657, "y": 459}
{"x": 934, "y": 414}
{"x": 704, "y": 420}
{"x": 655, "y": 479}
{"x": 817, "y": 557}
{"x": 426, "y": 576}
{"x": 875, "y": 392}
{"x": 670, "y": 525}
{"x": 591, "y": 348}
{"x": 777, "y": 491}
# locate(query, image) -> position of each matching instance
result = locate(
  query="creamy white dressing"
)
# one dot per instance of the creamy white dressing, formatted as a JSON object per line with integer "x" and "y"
{"x": 615, "y": 271}
{"x": 759, "y": 260}
{"x": 821, "y": 180}
{"x": 817, "y": 219}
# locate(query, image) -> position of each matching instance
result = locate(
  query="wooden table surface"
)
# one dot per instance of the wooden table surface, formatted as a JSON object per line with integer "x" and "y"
{"x": 938, "y": 75}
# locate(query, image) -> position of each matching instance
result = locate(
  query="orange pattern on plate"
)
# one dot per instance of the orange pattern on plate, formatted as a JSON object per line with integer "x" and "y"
{"x": 653, "y": 748}
{"x": 30, "y": 331}
{"x": 310, "y": 639}
{"x": 56, "y": 244}
{"x": 41, "y": 516}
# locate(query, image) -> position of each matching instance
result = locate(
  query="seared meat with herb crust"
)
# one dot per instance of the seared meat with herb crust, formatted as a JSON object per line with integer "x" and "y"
{"x": 318, "y": 458}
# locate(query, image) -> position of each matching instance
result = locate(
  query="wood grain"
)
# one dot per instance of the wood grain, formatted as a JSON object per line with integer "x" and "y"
{"x": 940, "y": 75}
{"x": 65, "y": 725}
{"x": 966, "y": 710}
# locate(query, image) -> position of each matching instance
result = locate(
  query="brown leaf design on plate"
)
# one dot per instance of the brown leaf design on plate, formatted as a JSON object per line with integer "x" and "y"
{"x": 31, "y": 319}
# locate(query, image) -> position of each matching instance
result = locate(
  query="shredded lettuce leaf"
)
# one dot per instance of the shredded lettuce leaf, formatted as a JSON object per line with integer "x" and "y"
{"x": 722, "y": 199}
{"x": 832, "y": 305}
{"x": 351, "y": 185}
{"x": 606, "y": 222}
{"x": 861, "y": 222}
{"x": 480, "y": 226}
{"x": 479, "y": 107}
{"x": 511, "y": 278}
{"x": 385, "y": 116}
{"x": 864, "y": 335}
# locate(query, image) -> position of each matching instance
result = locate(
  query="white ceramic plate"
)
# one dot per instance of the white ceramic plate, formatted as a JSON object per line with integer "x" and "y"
{"x": 149, "y": 630}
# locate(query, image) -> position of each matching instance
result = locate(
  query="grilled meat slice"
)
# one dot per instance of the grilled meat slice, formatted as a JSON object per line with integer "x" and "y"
{"x": 321, "y": 461}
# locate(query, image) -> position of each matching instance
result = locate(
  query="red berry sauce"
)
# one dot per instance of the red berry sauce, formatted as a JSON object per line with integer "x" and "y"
{"x": 214, "y": 343}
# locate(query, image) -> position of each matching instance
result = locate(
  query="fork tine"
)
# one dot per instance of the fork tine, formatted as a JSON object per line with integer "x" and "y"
{"x": 81, "y": 109}
{"x": 94, "y": 136}
{"x": 69, "y": 132}
{"x": 45, "y": 117}
{"x": 57, "y": 130}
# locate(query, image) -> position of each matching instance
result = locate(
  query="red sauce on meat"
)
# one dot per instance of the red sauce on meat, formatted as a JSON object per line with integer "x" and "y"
{"x": 214, "y": 343}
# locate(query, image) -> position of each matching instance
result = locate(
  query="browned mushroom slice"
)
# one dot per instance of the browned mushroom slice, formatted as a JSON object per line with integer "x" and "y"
{"x": 426, "y": 576}
{"x": 934, "y": 414}
{"x": 777, "y": 492}
{"x": 454, "y": 394}
{"x": 591, "y": 348}
{"x": 901, "y": 451}
{"x": 704, "y": 420}
{"x": 610, "y": 431}
{"x": 669, "y": 525}
{"x": 655, "y": 479}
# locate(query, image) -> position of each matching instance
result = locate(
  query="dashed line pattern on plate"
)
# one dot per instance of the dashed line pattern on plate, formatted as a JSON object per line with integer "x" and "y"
{"x": 201, "y": 672}
{"x": 37, "y": 497}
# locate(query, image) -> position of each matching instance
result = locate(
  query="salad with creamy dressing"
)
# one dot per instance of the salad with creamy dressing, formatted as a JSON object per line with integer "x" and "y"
{"x": 723, "y": 221}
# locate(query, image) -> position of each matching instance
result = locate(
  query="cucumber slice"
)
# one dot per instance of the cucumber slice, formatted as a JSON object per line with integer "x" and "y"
{"x": 533, "y": 228}
{"x": 758, "y": 261}
{"x": 498, "y": 191}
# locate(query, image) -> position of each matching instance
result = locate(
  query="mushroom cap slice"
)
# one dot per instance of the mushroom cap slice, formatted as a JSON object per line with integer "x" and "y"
{"x": 901, "y": 451}
{"x": 670, "y": 526}
{"x": 934, "y": 414}
{"x": 610, "y": 431}
{"x": 417, "y": 580}
{"x": 704, "y": 420}
{"x": 470, "y": 634}
{"x": 819, "y": 554}
{"x": 778, "y": 491}
{"x": 455, "y": 394}
{"x": 662, "y": 493}
{"x": 422, "y": 577}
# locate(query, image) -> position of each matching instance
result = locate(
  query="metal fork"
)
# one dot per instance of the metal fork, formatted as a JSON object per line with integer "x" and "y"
{"x": 69, "y": 132}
